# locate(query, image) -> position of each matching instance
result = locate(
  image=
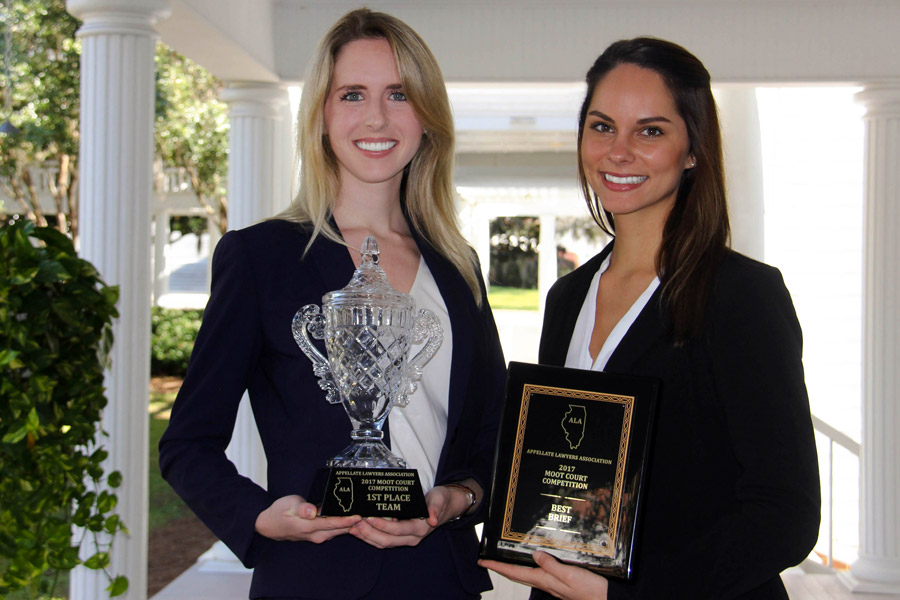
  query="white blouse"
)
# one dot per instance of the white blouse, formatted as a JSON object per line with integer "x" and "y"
{"x": 579, "y": 355}
{"x": 417, "y": 431}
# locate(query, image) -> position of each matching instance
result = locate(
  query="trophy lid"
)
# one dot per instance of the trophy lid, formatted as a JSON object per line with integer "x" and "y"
{"x": 369, "y": 285}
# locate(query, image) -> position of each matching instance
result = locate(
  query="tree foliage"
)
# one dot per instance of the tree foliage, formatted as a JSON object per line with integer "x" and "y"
{"x": 514, "y": 251}
{"x": 514, "y": 247}
{"x": 192, "y": 129}
{"x": 43, "y": 87}
{"x": 191, "y": 125}
{"x": 55, "y": 334}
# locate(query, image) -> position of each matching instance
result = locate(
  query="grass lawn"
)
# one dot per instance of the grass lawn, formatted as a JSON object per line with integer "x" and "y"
{"x": 507, "y": 298}
{"x": 165, "y": 505}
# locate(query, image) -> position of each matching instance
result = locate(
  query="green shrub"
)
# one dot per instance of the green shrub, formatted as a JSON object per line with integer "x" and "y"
{"x": 173, "y": 332}
{"x": 55, "y": 335}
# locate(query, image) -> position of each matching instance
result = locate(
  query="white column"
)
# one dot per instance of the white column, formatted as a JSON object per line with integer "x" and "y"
{"x": 878, "y": 567}
{"x": 116, "y": 155}
{"x": 742, "y": 140}
{"x": 259, "y": 186}
{"x": 258, "y": 168}
{"x": 285, "y": 165}
{"x": 547, "y": 264}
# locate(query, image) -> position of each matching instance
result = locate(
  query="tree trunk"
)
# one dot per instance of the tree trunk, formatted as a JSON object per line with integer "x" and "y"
{"x": 73, "y": 201}
{"x": 14, "y": 190}
{"x": 35, "y": 211}
{"x": 217, "y": 216}
{"x": 60, "y": 192}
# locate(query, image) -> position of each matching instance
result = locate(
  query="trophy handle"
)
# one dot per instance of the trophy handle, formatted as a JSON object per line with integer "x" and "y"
{"x": 309, "y": 320}
{"x": 426, "y": 327}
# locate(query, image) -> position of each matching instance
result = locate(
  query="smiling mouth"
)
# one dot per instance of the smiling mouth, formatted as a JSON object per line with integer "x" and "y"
{"x": 375, "y": 146}
{"x": 629, "y": 180}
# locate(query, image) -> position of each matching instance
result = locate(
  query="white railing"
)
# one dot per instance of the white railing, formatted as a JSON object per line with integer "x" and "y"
{"x": 175, "y": 179}
{"x": 172, "y": 179}
{"x": 172, "y": 187}
{"x": 841, "y": 439}
{"x": 42, "y": 175}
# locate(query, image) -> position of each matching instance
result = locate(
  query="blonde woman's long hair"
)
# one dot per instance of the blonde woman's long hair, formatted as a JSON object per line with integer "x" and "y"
{"x": 427, "y": 190}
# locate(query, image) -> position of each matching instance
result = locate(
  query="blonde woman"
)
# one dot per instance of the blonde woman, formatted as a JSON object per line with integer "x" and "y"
{"x": 376, "y": 144}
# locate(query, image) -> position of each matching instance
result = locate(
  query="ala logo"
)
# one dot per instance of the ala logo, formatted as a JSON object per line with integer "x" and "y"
{"x": 343, "y": 491}
{"x": 573, "y": 423}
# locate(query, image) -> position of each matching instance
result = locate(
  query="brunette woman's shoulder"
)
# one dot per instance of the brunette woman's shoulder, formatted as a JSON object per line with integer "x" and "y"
{"x": 744, "y": 282}
{"x": 740, "y": 270}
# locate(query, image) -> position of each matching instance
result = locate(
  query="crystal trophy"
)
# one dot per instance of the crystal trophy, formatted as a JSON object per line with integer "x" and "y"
{"x": 368, "y": 328}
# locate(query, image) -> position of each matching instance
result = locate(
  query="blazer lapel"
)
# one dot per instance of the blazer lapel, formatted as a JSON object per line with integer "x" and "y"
{"x": 464, "y": 319}
{"x": 649, "y": 327}
{"x": 332, "y": 262}
{"x": 556, "y": 334}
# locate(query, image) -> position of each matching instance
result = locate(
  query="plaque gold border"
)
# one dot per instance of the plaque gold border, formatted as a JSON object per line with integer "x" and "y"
{"x": 528, "y": 389}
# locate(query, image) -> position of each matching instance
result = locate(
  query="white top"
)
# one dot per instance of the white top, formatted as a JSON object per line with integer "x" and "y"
{"x": 417, "y": 432}
{"x": 579, "y": 356}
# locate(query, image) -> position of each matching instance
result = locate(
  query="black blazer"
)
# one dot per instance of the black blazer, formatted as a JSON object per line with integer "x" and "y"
{"x": 245, "y": 343}
{"x": 733, "y": 487}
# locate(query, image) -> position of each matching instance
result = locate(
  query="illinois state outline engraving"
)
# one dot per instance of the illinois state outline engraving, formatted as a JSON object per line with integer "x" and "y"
{"x": 343, "y": 491}
{"x": 573, "y": 423}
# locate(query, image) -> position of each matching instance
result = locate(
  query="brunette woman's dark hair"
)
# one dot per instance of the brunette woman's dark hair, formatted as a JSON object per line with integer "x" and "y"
{"x": 696, "y": 234}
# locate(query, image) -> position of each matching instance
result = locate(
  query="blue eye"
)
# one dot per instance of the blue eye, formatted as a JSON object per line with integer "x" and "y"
{"x": 398, "y": 96}
{"x": 352, "y": 96}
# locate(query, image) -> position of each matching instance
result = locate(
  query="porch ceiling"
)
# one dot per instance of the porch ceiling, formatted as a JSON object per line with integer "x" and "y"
{"x": 766, "y": 41}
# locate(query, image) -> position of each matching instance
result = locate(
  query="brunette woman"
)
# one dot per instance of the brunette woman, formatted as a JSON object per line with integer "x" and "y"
{"x": 733, "y": 488}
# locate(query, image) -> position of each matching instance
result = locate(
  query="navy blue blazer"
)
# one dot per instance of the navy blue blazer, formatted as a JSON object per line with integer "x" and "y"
{"x": 733, "y": 488}
{"x": 259, "y": 281}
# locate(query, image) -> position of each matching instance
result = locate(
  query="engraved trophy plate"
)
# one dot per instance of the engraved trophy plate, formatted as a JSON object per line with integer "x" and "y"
{"x": 368, "y": 328}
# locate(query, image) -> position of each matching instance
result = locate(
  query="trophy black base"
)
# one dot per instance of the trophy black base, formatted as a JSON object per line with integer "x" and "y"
{"x": 393, "y": 493}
